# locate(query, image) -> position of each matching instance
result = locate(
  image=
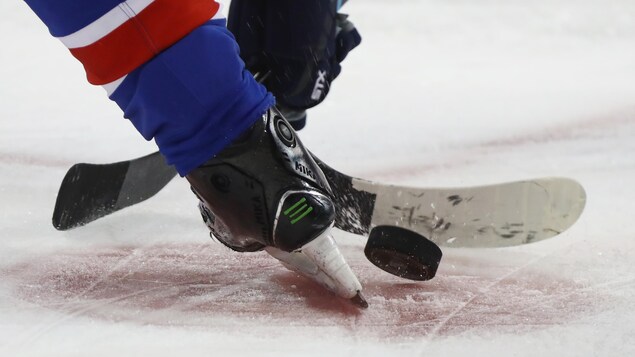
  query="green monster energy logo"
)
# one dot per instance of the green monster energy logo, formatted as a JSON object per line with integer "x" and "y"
{"x": 298, "y": 211}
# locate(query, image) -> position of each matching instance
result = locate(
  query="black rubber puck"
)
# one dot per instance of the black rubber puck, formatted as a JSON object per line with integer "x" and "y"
{"x": 403, "y": 253}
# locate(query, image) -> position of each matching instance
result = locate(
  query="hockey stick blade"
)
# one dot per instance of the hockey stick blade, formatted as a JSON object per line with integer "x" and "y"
{"x": 90, "y": 191}
{"x": 490, "y": 216}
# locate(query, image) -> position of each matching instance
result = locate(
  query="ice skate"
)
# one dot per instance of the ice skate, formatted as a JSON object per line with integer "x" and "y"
{"x": 265, "y": 191}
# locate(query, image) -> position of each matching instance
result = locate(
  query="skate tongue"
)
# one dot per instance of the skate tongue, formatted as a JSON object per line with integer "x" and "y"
{"x": 323, "y": 251}
{"x": 321, "y": 261}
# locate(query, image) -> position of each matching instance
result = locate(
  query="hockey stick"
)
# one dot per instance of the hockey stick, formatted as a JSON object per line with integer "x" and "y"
{"x": 505, "y": 214}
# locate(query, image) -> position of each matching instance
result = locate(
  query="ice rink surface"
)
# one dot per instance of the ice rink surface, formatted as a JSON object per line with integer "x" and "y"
{"x": 441, "y": 93}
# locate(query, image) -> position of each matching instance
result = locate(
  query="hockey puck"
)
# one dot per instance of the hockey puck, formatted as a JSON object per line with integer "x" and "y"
{"x": 403, "y": 253}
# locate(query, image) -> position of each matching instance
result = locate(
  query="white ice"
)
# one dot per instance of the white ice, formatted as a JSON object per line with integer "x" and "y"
{"x": 441, "y": 93}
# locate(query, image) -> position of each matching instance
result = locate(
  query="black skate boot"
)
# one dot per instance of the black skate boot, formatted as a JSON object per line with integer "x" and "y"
{"x": 265, "y": 191}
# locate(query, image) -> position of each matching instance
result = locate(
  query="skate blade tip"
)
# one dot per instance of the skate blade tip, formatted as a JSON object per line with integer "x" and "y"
{"x": 359, "y": 300}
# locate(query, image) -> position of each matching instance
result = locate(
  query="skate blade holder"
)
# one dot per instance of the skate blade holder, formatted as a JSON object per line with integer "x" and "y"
{"x": 403, "y": 253}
